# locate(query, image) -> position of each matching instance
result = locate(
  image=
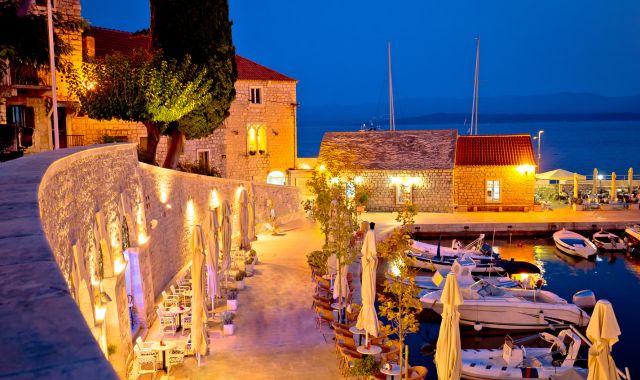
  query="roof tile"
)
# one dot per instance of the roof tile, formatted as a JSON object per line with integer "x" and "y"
{"x": 498, "y": 150}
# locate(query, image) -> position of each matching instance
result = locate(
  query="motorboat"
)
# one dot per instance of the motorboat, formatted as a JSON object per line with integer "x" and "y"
{"x": 477, "y": 247}
{"x": 464, "y": 269}
{"x": 574, "y": 244}
{"x": 608, "y": 241}
{"x": 486, "y": 305}
{"x": 633, "y": 234}
{"x": 483, "y": 264}
{"x": 513, "y": 361}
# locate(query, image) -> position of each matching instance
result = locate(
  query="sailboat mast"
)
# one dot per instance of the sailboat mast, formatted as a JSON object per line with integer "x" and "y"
{"x": 392, "y": 121}
{"x": 475, "y": 88}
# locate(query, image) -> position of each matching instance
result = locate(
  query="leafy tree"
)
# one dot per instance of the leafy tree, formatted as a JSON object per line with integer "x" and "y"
{"x": 24, "y": 39}
{"x": 143, "y": 88}
{"x": 319, "y": 208}
{"x": 200, "y": 29}
{"x": 399, "y": 302}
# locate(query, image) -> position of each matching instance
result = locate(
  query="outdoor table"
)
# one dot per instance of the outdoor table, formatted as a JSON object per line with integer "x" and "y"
{"x": 393, "y": 372}
{"x": 372, "y": 350}
{"x": 168, "y": 345}
{"x": 356, "y": 331}
{"x": 177, "y": 311}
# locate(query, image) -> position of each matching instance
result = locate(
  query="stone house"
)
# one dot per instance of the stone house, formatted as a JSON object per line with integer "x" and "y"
{"x": 494, "y": 172}
{"x": 396, "y": 166}
{"x": 256, "y": 142}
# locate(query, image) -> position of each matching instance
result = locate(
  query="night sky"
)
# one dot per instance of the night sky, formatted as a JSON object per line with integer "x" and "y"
{"x": 337, "y": 49}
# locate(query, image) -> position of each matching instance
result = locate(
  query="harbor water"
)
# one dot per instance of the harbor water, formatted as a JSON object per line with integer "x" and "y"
{"x": 612, "y": 276}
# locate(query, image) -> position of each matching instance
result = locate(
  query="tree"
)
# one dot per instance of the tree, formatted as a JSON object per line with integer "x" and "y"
{"x": 143, "y": 88}
{"x": 399, "y": 303}
{"x": 319, "y": 208}
{"x": 200, "y": 29}
{"x": 24, "y": 40}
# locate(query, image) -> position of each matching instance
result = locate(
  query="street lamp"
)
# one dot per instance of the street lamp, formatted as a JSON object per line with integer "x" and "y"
{"x": 539, "y": 139}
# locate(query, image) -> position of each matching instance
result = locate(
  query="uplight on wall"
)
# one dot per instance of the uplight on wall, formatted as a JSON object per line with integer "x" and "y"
{"x": 304, "y": 167}
{"x": 215, "y": 201}
{"x": 119, "y": 265}
{"x": 526, "y": 169}
{"x": 191, "y": 212}
{"x": 358, "y": 180}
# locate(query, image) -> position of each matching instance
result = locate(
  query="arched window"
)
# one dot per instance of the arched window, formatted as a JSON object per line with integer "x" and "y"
{"x": 277, "y": 177}
{"x": 252, "y": 140}
{"x": 262, "y": 139}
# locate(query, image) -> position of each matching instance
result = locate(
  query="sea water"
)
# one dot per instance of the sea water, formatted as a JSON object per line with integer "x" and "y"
{"x": 612, "y": 276}
{"x": 574, "y": 146}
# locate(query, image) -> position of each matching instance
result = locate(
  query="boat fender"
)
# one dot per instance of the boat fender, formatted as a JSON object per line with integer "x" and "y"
{"x": 477, "y": 326}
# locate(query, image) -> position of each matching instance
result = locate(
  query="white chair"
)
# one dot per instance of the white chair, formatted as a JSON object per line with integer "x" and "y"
{"x": 170, "y": 299}
{"x": 147, "y": 360}
{"x": 167, "y": 321}
{"x": 186, "y": 322}
{"x": 175, "y": 357}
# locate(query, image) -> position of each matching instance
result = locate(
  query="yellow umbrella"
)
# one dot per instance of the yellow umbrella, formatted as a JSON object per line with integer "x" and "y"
{"x": 575, "y": 185}
{"x": 448, "y": 355}
{"x": 603, "y": 331}
{"x": 198, "y": 306}
{"x": 368, "y": 318}
{"x": 630, "y": 179}
{"x": 594, "y": 190}
{"x": 613, "y": 186}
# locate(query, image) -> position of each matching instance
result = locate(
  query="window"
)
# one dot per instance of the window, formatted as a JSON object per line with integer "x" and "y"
{"x": 276, "y": 178}
{"x": 493, "y": 191}
{"x": 256, "y": 139}
{"x": 255, "y": 95}
{"x": 404, "y": 194}
{"x": 203, "y": 159}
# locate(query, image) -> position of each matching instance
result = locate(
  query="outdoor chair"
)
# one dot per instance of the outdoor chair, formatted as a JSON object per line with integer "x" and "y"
{"x": 170, "y": 299}
{"x": 321, "y": 299}
{"x": 324, "y": 316}
{"x": 417, "y": 373}
{"x": 186, "y": 322}
{"x": 348, "y": 357}
{"x": 345, "y": 340}
{"x": 175, "y": 357}
{"x": 167, "y": 322}
{"x": 147, "y": 360}
{"x": 392, "y": 356}
{"x": 341, "y": 326}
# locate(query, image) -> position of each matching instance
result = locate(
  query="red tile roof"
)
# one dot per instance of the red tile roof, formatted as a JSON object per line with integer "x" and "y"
{"x": 109, "y": 41}
{"x": 499, "y": 150}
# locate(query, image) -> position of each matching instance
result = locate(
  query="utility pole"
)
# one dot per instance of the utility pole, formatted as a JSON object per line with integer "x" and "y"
{"x": 52, "y": 68}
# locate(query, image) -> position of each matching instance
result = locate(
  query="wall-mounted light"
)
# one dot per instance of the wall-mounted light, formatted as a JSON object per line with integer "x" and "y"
{"x": 119, "y": 266}
{"x": 526, "y": 169}
{"x": 304, "y": 167}
{"x": 358, "y": 180}
{"x": 214, "y": 202}
{"x": 143, "y": 238}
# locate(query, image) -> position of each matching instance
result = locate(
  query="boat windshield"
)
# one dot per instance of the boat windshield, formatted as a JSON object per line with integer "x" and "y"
{"x": 485, "y": 289}
{"x": 573, "y": 242}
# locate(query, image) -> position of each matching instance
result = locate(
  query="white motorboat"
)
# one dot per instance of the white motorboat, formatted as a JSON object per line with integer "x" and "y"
{"x": 457, "y": 249}
{"x": 574, "y": 244}
{"x": 608, "y": 241}
{"x": 520, "y": 362}
{"x": 463, "y": 269}
{"x": 486, "y": 305}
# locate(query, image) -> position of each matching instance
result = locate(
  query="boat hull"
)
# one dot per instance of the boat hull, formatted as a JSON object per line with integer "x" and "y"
{"x": 586, "y": 250}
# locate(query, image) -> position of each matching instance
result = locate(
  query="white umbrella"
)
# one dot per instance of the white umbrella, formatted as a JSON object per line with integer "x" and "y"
{"x": 198, "y": 307}
{"x": 212, "y": 256}
{"x": 245, "y": 244}
{"x": 226, "y": 237}
{"x": 448, "y": 356}
{"x": 341, "y": 285}
{"x": 368, "y": 318}
{"x": 603, "y": 331}
{"x": 559, "y": 175}
{"x": 252, "y": 212}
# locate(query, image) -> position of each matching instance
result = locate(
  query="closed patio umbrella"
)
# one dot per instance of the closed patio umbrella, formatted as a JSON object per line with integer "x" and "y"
{"x": 252, "y": 212}
{"x": 603, "y": 331}
{"x": 575, "y": 185}
{"x": 245, "y": 244}
{"x": 630, "y": 179}
{"x": 594, "y": 189}
{"x": 368, "y": 318}
{"x": 613, "y": 186}
{"x": 198, "y": 306}
{"x": 448, "y": 356}
{"x": 212, "y": 256}
{"x": 226, "y": 238}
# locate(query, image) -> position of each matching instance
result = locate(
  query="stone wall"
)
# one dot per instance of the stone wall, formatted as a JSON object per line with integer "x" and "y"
{"x": 179, "y": 201}
{"x": 431, "y": 192}
{"x": 470, "y": 186}
{"x": 94, "y": 130}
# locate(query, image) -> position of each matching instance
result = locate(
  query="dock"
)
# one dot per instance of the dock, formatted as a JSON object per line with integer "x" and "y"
{"x": 533, "y": 223}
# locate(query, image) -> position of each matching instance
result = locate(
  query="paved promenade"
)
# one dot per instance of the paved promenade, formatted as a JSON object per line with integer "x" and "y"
{"x": 276, "y": 336}
{"x": 520, "y": 222}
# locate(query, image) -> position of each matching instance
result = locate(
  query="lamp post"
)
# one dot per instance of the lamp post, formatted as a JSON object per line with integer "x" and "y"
{"x": 539, "y": 139}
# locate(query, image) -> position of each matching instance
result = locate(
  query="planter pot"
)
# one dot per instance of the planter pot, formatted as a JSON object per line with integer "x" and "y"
{"x": 240, "y": 285}
{"x": 232, "y": 305}
{"x": 228, "y": 329}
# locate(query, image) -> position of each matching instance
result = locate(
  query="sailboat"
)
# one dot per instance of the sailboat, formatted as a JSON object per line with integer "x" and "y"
{"x": 392, "y": 118}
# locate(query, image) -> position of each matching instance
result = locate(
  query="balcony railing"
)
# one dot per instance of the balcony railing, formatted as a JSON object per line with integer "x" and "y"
{"x": 21, "y": 76}
{"x": 75, "y": 140}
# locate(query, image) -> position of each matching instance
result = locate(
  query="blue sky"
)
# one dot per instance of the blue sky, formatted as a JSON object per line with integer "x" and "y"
{"x": 337, "y": 49}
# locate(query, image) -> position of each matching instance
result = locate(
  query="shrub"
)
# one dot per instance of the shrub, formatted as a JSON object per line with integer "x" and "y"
{"x": 318, "y": 260}
{"x": 198, "y": 169}
{"x": 367, "y": 366}
{"x": 228, "y": 317}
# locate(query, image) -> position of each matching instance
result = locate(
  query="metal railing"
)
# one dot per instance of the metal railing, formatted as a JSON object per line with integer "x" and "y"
{"x": 22, "y": 75}
{"x": 75, "y": 140}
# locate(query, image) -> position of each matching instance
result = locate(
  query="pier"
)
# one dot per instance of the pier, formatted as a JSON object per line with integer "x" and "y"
{"x": 534, "y": 223}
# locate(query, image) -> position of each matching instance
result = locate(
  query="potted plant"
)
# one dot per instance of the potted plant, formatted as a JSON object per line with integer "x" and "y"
{"x": 364, "y": 368}
{"x": 253, "y": 254}
{"x": 227, "y": 323}
{"x": 362, "y": 197}
{"x": 317, "y": 261}
{"x": 240, "y": 279}
{"x": 249, "y": 262}
{"x": 232, "y": 300}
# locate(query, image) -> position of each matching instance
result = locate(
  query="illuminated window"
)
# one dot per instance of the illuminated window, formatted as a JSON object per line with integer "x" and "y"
{"x": 256, "y": 139}
{"x": 255, "y": 95}
{"x": 404, "y": 193}
{"x": 262, "y": 140}
{"x": 276, "y": 178}
{"x": 493, "y": 191}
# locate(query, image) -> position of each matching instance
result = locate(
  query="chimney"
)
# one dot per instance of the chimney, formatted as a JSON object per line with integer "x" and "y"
{"x": 89, "y": 47}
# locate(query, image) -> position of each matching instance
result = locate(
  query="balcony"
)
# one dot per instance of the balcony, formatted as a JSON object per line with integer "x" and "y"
{"x": 26, "y": 77}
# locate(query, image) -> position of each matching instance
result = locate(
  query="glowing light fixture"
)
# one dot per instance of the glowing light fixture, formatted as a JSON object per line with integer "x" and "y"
{"x": 600, "y": 177}
{"x": 119, "y": 265}
{"x": 322, "y": 168}
{"x": 334, "y": 180}
{"x": 101, "y": 311}
{"x": 215, "y": 202}
{"x": 143, "y": 238}
{"x": 526, "y": 169}
{"x": 358, "y": 180}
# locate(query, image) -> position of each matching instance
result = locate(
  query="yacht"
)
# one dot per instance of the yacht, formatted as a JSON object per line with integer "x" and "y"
{"x": 608, "y": 241}
{"x": 557, "y": 357}
{"x": 486, "y": 305}
{"x": 574, "y": 244}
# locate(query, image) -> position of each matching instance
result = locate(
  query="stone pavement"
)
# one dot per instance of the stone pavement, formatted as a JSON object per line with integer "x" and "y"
{"x": 276, "y": 336}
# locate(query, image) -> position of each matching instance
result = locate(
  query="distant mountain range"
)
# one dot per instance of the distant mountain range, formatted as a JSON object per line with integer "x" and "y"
{"x": 496, "y": 109}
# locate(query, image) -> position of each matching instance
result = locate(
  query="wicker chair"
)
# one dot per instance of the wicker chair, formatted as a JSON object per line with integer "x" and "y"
{"x": 175, "y": 357}
{"x": 147, "y": 360}
{"x": 167, "y": 321}
{"x": 169, "y": 300}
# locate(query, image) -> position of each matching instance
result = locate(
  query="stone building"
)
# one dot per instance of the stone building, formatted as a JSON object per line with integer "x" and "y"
{"x": 396, "y": 166}
{"x": 494, "y": 172}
